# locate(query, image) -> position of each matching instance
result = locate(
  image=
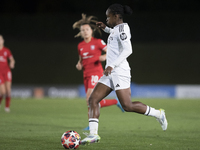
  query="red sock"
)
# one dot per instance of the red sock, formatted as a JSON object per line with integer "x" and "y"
{"x": 109, "y": 102}
{"x": 1, "y": 98}
{"x": 8, "y": 101}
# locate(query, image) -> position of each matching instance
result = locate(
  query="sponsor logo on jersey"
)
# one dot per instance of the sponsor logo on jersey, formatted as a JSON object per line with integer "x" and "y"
{"x": 85, "y": 55}
{"x": 123, "y": 36}
{"x": 92, "y": 47}
{"x": 2, "y": 59}
{"x": 81, "y": 49}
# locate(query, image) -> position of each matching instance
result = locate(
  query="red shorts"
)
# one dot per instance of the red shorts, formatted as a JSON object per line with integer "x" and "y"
{"x": 5, "y": 76}
{"x": 91, "y": 81}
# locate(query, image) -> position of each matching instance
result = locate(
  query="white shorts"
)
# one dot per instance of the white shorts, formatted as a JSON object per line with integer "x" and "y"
{"x": 116, "y": 82}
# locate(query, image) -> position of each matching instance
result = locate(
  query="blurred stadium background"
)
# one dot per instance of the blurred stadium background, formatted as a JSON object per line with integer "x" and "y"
{"x": 165, "y": 38}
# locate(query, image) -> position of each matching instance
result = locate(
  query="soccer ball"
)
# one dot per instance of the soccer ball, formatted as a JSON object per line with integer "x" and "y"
{"x": 70, "y": 140}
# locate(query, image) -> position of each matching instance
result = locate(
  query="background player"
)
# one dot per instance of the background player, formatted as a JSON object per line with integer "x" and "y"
{"x": 90, "y": 50}
{"x": 5, "y": 74}
{"x": 117, "y": 73}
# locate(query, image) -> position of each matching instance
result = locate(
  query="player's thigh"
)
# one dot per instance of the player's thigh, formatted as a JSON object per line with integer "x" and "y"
{"x": 8, "y": 76}
{"x": 99, "y": 92}
{"x": 124, "y": 96}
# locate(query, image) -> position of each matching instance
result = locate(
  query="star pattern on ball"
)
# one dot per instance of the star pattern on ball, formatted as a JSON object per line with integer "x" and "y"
{"x": 73, "y": 134}
{"x": 67, "y": 141}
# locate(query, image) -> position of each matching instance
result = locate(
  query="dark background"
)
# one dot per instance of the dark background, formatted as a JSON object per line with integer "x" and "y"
{"x": 165, "y": 39}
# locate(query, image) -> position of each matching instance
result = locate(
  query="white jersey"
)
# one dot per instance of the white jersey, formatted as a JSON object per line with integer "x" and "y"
{"x": 118, "y": 49}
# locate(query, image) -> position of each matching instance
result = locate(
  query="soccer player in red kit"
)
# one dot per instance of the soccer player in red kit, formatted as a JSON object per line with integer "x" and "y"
{"x": 5, "y": 74}
{"x": 90, "y": 57}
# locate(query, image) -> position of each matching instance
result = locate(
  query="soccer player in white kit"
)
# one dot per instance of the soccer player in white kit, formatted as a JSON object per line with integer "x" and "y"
{"x": 117, "y": 73}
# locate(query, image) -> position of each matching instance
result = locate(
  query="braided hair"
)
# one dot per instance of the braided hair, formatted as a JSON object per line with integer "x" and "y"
{"x": 90, "y": 20}
{"x": 120, "y": 9}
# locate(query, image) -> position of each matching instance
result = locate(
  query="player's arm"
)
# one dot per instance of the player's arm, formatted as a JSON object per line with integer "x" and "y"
{"x": 103, "y": 57}
{"x": 124, "y": 39}
{"x": 79, "y": 64}
{"x": 12, "y": 62}
{"x": 104, "y": 27}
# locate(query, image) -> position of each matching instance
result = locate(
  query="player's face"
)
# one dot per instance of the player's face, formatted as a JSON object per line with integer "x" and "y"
{"x": 86, "y": 31}
{"x": 1, "y": 41}
{"x": 111, "y": 18}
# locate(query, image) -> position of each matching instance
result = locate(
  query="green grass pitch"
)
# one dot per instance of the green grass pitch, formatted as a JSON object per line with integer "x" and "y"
{"x": 38, "y": 125}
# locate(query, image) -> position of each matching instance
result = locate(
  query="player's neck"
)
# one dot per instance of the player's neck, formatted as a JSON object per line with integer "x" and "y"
{"x": 87, "y": 40}
{"x": 1, "y": 47}
{"x": 120, "y": 21}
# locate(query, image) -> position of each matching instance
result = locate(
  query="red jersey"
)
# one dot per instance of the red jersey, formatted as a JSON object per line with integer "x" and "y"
{"x": 90, "y": 53}
{"x": 5, "y": 54}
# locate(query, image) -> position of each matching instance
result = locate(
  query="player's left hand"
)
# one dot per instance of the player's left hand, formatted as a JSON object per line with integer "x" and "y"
{"x": 12, "y": 65}
{"x": 107, "y": 71}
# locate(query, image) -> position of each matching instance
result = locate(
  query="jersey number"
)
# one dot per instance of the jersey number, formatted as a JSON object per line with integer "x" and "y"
{"x": 94, "y": 79}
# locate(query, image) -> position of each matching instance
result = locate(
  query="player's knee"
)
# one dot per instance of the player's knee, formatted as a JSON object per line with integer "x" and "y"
{"x": 92, "y": 101}
{"x": 3, "y": 93}
{"x": 127, "y": 107}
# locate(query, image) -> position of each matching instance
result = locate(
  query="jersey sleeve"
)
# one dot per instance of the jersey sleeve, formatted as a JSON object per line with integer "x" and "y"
{"x": 124, "y": 39}
{"x": 108, "y": 30}
{"x": 101, "y": 44}
{"x": 9, "y": 53}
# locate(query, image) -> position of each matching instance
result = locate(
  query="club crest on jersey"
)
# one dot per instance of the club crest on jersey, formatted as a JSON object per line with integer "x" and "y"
{"x": 92, "y": 47}
{"x": 123, "y": 36}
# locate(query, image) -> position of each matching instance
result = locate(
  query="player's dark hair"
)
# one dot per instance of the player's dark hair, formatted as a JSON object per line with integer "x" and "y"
{"x": 120, "y": 9}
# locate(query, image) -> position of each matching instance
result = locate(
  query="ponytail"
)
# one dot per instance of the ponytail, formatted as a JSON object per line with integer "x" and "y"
{"x": 119, "y": 9}
{"x": 127, "y": 10}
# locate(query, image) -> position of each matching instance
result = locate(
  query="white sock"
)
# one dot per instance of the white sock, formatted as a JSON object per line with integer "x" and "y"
{"x": 93, "y": 125}
{"x": 152, "y": 112}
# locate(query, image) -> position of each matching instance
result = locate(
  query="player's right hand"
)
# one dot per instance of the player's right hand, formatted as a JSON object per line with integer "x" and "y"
{"x": 101, "y": 25}
{"x": 107, "y": 71}
{"x": 79, "y": 66}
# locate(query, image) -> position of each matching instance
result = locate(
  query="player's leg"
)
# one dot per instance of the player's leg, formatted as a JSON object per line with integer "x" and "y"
{"x": 2, "y": 92}
{"x": 100, "y": 91}
{"x": 124, "y": 96}
{"x": 8, "y": 83}
{"x": 2, "y": 86}
{"x": 91, "y": 82}
{"x": 8, "y": 95}
{"x": 110, "y": 102}
{"x": 123, "y": 91}
{"x": 88, "y": 93}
